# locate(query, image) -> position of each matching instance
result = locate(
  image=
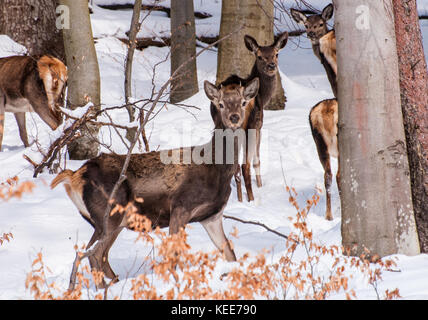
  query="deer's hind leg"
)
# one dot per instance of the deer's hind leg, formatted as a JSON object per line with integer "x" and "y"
{"x": 324, "y": 157}
{"x": 96, "y": 192}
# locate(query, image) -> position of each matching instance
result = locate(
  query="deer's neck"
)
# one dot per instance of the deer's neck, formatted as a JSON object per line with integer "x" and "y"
{"x": 267, "y": 86}
{"x": 316, "y": 49}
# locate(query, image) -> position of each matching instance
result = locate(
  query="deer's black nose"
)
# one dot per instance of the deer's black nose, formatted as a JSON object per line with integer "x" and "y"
{"x": 234, "y": 118}
{"x": 272, "y": 66}
{"x": 311, "y": 34}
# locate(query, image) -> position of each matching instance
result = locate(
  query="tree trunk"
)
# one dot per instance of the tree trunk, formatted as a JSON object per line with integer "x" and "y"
{"x": 256, "y": 18}
{"x": 183, "y": 47}
{"x": 135, "y": 27}
{"x": 83, "y": 75}
{"x": 32, "y": 24}
{"x": 414, "y": 103}
{"x": 377, "y": 210}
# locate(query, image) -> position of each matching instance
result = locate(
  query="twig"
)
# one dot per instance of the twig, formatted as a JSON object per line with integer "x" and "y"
{"x": 257, "y": 224}
{"x": 68, "y": 135}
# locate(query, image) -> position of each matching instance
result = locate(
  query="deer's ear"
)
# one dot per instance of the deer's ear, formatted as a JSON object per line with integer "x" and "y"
{"x": 251, "y": 89}
{"x": 327, "y": 12}
{"x": 211, "y": 90}
{"x": 281, "y": 41}
{"x": 298, "y": 16}
{"x": 251, "y": 43}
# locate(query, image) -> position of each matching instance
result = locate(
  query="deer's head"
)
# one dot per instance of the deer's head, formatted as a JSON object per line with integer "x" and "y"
{"x": 231, "y": 102}
{"x": 266, "y": 56}
{"x": 315, "y": 25}
{"x": 54, "y": 76}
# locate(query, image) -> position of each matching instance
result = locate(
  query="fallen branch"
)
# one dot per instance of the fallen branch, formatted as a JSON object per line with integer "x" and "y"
{"x": 257, "y": 224}
{"x": 69, "y": 135}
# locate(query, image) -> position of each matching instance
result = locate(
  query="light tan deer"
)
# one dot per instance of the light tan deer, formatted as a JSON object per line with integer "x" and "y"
{"x": 323, "y": 121}
{"x": 317, "y": 29}
{"x": 29, "y": 84}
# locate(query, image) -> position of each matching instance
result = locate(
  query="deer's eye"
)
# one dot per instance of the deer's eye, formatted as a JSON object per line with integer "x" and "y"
{"x": 221, "y": 105}
{"x": 321, "y": 24}
{"x": 276, "y": 55}
{"x": 244, "y": 103}
{"x": 259, "y": 57}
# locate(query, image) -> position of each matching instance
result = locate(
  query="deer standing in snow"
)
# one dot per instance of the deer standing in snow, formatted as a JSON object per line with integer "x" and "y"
{"x": 323, "y": 40}
{"x": 174, "y": 194}
{"x": 266, "y": 69}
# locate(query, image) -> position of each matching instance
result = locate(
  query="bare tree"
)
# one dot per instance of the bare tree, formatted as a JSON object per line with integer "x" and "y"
{"x": 183, "y": 46}
{"x": 377, "y": 210}
{"x": 256, "y": 19}
{"x": 84, "y": 74}
{"x": 32, "y": 24}
{"x": 414, "y": 102}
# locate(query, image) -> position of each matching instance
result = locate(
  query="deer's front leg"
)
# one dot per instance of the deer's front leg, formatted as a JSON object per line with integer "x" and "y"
{"x": 246, "y": 167}
{"x": 20, "y": 120}
{"x": 256, "y": 159}
{"x": 238, "y": 183}
{"x": 214, "y": 227}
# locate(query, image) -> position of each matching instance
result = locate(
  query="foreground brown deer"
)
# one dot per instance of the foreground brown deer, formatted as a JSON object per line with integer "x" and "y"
{"x": 266, "y": 69}
{"x": 173, "y": 194}
{"x": 28, "y": 84}
{"x": 316, "y": 28}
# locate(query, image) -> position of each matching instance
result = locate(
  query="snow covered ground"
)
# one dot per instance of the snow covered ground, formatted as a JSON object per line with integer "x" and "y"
{"x": 46, "y": 221}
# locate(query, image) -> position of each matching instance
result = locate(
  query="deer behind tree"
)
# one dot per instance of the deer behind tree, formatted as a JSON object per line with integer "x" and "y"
{"x": 265, "y": 68}
{"x": 317, "y": 29}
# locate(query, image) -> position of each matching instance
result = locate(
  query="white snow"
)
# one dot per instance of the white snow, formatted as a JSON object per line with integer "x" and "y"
{"x": 46, "y": 221}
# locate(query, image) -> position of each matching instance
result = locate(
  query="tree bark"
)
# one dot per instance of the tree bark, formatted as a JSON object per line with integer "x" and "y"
{"x": 255, "y": 17}
{"x": 377, "y": 210}
{"x": 83, "y": 75}
{"x": 414, "y": 103}
{"x": 32, "y": 24}
{"x": 183, "y": 47}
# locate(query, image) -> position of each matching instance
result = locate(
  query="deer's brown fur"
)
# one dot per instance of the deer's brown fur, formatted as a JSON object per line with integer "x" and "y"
{"x": 29, "y": 84}
{"x": 173, "y": 194}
